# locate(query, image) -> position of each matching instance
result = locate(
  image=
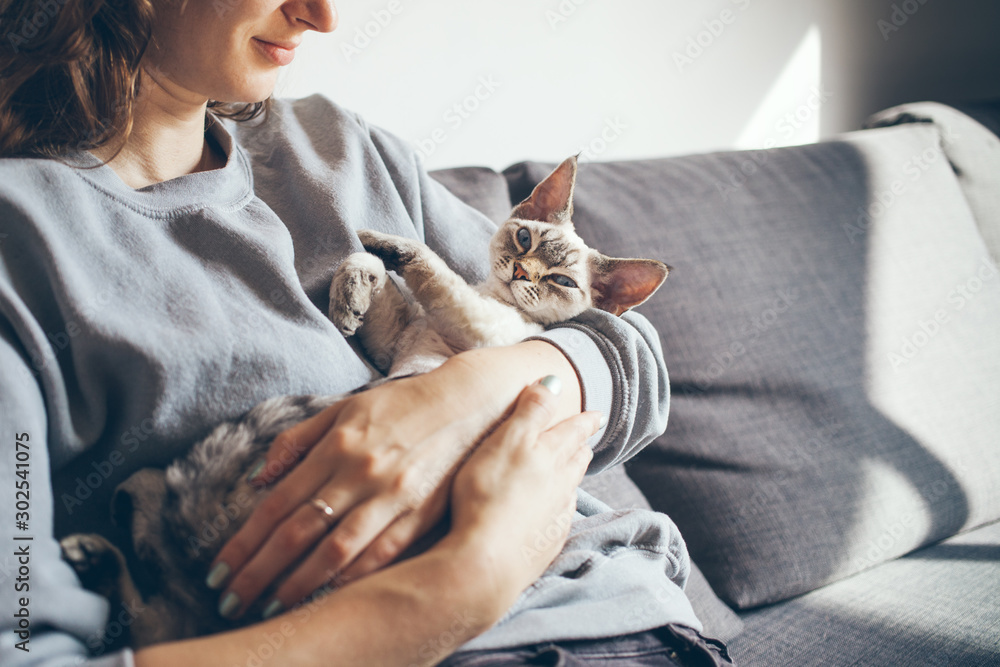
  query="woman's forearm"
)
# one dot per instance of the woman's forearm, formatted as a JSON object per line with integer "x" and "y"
{"x": 415, "y": 612}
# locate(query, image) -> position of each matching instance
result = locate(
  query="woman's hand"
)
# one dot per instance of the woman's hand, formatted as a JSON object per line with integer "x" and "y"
{"x": 516, "y": 494}
{"x": 374, "y": 474}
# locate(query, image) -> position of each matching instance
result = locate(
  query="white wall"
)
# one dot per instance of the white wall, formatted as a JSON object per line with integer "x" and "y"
{"x": 497, "y": 81}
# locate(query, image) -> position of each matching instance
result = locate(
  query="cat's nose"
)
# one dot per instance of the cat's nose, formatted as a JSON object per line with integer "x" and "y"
{"x": 520, "y": 273}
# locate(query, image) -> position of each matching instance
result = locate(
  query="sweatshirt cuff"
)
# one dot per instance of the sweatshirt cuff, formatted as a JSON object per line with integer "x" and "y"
{"x": 596, "y": 383}
{"x": 124, "y": 658}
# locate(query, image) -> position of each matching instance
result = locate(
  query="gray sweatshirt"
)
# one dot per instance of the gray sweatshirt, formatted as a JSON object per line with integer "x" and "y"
{"x": 133, "y": 321}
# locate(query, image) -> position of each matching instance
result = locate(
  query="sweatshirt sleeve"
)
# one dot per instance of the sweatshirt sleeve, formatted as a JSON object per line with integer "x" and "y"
{"x": 622, "y": 373}
{"x": 46, "y": 617}
{"x": 618, "y": 359}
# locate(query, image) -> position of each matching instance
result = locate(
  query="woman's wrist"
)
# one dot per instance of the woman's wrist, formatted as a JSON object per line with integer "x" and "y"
{"x": 500, "y": 373}
{"x": 481, "y": 575}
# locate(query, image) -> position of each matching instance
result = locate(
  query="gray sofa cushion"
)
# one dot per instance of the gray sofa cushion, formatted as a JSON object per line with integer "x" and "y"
{"x": 486, "y": 190}
{"x": 936, "y": 606}
{"x": 822, "y": 420}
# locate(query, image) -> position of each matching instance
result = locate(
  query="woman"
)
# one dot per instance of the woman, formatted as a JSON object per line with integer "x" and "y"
{"x": 163, "y": 270}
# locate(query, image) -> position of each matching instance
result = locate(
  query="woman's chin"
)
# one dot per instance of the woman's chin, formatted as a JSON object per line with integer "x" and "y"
{"x": 255, "y": 89}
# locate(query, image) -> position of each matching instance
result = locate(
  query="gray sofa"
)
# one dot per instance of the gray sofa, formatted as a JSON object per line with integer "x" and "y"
{"x": 832, "y": 329}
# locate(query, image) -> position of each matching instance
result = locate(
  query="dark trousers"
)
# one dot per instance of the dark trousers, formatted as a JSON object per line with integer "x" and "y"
{"x": 668, "y": 646}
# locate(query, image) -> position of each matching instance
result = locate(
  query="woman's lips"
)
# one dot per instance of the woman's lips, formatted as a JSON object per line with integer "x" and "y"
{"x": 279, "y": 55}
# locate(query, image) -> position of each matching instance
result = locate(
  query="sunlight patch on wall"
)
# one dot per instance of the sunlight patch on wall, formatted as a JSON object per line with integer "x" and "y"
{"x": 790, "y": 111}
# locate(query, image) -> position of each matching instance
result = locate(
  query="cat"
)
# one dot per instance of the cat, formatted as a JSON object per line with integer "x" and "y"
{"x": 541, "y": 273}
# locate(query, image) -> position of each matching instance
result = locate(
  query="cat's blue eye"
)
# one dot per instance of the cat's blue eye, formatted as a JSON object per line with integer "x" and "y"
{"x": 524, "y": 238}
{"x": 564, "y": 281}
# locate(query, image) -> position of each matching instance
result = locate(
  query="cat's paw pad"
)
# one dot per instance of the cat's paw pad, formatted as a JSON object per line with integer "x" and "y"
{"x": 394, "y": 251}
{"x": 357, "y": 281}
{"x": 92, "y": 556}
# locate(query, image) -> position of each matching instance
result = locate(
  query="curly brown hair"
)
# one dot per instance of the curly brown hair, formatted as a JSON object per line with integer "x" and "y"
{"x": 70, "y": 75}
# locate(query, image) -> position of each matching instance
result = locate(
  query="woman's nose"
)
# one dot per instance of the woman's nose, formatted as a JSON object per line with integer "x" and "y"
{"x": 318, "y": 15}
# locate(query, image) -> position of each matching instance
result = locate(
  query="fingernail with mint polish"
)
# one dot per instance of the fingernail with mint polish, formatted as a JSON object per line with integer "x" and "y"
{"x": 256, "y": 472}
{"x": 230, "y": 603}
{"x": 217, "y": 576}
{"x": 552, "y": 383}
{"x": 604, "y": 421}
{"x": 272, "y": 609}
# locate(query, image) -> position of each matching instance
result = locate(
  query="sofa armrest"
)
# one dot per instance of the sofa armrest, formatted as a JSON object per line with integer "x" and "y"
{"x": 970, "y": 141}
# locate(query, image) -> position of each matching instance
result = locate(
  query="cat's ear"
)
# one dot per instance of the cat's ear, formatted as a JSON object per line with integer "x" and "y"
{"x": 620, "y": 284}
{"x": 552, "y": 199}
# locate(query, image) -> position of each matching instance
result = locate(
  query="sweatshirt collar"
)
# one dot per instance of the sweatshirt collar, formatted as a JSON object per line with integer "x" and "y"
{"x": 227, "y": 188}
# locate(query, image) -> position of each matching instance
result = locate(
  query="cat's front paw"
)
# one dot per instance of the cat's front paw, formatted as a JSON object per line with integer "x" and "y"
{"x": 96, "y": 561}
{"x": 356, "y": 282}
{"x": 394, "y": 251}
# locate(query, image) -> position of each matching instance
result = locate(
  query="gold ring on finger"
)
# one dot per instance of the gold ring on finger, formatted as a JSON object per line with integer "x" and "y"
{"x": 325, "y": 509}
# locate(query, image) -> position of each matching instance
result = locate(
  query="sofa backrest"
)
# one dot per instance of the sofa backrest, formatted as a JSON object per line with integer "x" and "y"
{"x": 830, "y": 329}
